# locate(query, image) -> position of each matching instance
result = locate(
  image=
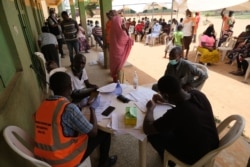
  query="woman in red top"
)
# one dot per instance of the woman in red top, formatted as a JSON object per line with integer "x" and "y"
{"x": 119, "y": 48}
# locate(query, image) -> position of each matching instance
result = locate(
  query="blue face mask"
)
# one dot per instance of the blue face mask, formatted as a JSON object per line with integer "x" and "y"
{"x": 173, "y": 62}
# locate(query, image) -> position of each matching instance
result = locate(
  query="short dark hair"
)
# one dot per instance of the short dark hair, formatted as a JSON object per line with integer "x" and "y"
{"x": 168, "y": 84}
{"x": 179, "y": 27}
{"x": 176, "y": 51}
{"x": 45, "y": 29}
{"x": 78, "y": 57}
{"x": 59, "y": 82}
{"x": 230, "y": 13}
{"x": 64, "y": 13}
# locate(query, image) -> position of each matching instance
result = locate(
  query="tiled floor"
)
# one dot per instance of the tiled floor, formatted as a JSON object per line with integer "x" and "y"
{"x": 126, "y": 147}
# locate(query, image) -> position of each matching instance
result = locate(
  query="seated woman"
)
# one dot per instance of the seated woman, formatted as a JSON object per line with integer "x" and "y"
{"x": 207, "y": 48}
{"x": 83, "y": 43}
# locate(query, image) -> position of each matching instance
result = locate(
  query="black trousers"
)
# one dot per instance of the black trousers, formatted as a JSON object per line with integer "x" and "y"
{"x": 60, "y": 46}
{"x": 242, "y": 65}
{"x": 50, "y": 53}
{"x": 102, "y": 139}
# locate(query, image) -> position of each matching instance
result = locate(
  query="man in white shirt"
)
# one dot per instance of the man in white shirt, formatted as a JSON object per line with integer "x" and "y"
{"x": 89, "y": 33}
{"x": 48, "y": 44}
{"x": 81, "y": 87}
{"x": 155, "y": 32}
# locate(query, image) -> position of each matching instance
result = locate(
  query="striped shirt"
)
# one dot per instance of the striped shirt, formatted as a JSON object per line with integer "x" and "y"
{"x": 97, "y": 31}
{"x": 73, "y": 120}
{"x": 69, "y": 29}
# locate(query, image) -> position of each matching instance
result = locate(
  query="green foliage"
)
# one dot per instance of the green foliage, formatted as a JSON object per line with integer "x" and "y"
{"x": 129, "y": 11}
{"x": 90, "y": 7}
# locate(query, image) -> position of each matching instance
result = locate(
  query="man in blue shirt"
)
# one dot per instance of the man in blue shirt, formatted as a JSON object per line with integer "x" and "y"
{"x": 74, "y": 123}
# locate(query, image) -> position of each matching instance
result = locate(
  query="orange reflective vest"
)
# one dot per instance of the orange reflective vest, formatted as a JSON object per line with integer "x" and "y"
{"x": 51, "y": 145}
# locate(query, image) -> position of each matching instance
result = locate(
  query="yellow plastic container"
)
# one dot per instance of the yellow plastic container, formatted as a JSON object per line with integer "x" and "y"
{"x": 130, "y": 116}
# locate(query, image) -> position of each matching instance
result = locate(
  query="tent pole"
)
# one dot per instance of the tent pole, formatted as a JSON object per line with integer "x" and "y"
{"x": 172, "y": 10}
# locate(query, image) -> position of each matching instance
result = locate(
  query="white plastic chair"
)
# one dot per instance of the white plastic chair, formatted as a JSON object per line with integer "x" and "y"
{"x": 225, "y": 141}
{"x": 197, "y": 53}
{"x": 20, "y": 142}
{"x": 226, "y": 46}
{"x": 59, "y": 69}
{"x": 42, "y": 61}
{"x": 248, "y": 69}
{"x": 131, "y": 30}
{"x": 152, "y": 40}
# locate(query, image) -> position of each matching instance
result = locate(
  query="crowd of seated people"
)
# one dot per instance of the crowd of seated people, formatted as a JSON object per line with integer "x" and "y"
{"x": 154, "y": 28}
{"x": 240, "y": 53}
{"x": 240, "y": 44}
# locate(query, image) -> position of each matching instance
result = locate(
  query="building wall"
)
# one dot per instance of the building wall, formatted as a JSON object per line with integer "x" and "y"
{"x": 23, "y": 95}
{"x": 20, "y": 22}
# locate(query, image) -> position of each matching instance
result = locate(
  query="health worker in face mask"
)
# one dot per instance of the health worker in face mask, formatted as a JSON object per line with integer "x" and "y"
{"x": 184, "y": 71}
{"x": 189, "y": 75}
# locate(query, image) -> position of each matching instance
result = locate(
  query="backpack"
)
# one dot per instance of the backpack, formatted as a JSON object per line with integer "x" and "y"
{"x": 53, "y": 30}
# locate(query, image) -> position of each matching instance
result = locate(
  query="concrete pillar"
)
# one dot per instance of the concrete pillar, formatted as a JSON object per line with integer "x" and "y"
{"x": 82, "y": 14}
{"x": 60, "y": 8}
{"x": 72, "y": 9}
{"x": 105, "y": 6}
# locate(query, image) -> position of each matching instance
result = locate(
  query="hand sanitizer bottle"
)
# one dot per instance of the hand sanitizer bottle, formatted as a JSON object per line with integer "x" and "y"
{"x": 118, "y": 89}
{"x": 135, "y": 80}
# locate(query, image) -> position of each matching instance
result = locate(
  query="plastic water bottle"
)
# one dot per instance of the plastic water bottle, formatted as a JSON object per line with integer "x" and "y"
{"x": 135, "y": 80}
{"x": 118, "y": 89}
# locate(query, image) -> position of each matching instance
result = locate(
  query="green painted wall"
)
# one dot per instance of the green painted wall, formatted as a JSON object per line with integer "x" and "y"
{"x": 25, "y": 94}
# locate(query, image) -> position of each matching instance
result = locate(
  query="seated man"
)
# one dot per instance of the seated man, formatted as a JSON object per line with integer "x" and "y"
{"x": 139, "y": 29}
{"x": 81, "y": 87}
{"x": 186, "y": 73}
{"x": 188, "y": 130}
{"x": 155, "y": 32}
{"x": 63, "y": 136}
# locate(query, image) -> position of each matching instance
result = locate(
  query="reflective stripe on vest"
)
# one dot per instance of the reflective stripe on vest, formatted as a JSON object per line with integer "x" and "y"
{"x": 50, "y": 143}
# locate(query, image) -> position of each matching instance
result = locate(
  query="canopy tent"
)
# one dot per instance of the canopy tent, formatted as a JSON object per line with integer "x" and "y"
{"x": 179, "y": 5}
{"x": 205, "y": 5}
{"x": 153, "y": 6}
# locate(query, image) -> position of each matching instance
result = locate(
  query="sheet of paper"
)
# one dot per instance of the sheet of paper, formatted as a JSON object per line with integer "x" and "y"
{"x": 107, "y": 88}
{"x": 142, "y": 94}
{"x": 160, "y": 109}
